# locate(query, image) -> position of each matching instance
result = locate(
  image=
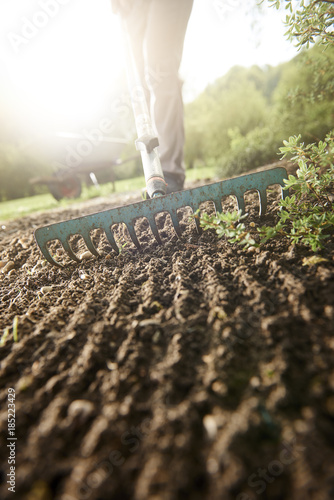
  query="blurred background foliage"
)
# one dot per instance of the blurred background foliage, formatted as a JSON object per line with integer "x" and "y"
{"x": 240, "y": 121}
{"x": 16, "y": 170}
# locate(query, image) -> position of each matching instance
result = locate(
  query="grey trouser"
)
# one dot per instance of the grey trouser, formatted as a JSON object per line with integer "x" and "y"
{"x": 157, "y": 29}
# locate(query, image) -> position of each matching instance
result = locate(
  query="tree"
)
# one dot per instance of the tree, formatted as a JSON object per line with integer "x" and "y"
{"x": 306, "y": 216}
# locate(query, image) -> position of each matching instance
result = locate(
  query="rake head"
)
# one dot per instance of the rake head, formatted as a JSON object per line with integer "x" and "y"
{"x": 127, "y": 214}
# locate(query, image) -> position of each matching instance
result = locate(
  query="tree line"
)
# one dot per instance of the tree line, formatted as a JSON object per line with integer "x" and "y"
{"x": 239, "y": 122}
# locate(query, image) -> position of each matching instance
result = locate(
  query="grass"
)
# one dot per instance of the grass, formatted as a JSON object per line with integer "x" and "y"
{"x": 14, "y": 209}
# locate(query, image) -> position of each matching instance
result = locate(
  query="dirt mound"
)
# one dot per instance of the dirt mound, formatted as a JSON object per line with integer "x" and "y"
{"x": 191, "y": 370}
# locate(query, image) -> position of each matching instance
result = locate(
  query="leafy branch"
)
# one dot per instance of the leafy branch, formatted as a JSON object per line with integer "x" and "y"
{"x": 310, "y": 22}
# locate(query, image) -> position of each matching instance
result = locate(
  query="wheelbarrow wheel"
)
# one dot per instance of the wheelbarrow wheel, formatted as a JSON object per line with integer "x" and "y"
{"x": 69, "y": 187}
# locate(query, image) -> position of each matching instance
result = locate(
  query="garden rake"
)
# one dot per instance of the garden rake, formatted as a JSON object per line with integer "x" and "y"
{"x": 158, "y": 202}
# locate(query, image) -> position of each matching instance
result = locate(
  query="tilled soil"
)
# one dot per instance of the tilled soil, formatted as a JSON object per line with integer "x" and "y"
{"x": 192, "y": 370}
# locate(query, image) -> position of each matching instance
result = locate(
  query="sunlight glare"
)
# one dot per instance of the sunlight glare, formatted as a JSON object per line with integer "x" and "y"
{"x": 67, "y": 70}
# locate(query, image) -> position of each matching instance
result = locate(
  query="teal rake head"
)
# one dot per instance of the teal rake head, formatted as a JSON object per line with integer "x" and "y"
{"x": 127, "y": 214}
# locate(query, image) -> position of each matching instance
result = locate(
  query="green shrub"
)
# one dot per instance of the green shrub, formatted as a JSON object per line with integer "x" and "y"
{"x": 249, "y": 151}
{"x": 306, "y": 216}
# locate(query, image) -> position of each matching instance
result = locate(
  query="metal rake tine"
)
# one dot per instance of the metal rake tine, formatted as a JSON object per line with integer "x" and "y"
{"x": 198, "y": 225}
{"x": 49, "y": 257}
{"x": 175, "y": 222}
{"x": 87, "y": 239}
{"x": 69, "y": 250}
{"x": 218, "y": 204}
{"x": 133, "y": 235}
{"x": 110, "y": 237}
{"x": 241, "y": 203}
{"x": 284, "y": 193}
{"x": 196, "y": 219}
{"x": 154, "y": 229}
{"x": 263, "y": 201}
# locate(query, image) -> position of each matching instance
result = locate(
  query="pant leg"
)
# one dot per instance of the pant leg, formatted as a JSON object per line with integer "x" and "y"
{"x": 163, "y": 45}
{"x": 136, "y": 23}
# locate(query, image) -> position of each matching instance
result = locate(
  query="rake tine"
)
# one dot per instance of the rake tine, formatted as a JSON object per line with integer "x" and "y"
{"x": 175, "y": 222}
{"x": 263, "y": 201}
{"x": 133, "y": 235}
{"x": 241, "y": 203}
{"x": 89, "y": 244}
{"x": 218, "y": 205}
{"x": 111, "y": 239}
{"x": 284, "y": 193}
{"x": 198, "y": 226}
{"x": 49, "y": 257}
{"x": 154, "y": 229}
{"x": 196, "y": 218}
{"x": 69, "y": 250}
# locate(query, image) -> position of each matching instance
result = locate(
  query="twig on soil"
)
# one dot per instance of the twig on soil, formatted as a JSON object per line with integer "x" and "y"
{"x": 15, "y": 325}
{"x": 4, "y": 336}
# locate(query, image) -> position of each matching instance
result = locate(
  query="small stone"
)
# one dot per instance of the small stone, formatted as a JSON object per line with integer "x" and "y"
{"x": 35, "y": 367}
{"x": 329, "y": 311}
{"x": 219, "y": 387}
{"x": 156, "y": 337}
{"x": 112, "y": 366}
{"x": 86, "y": 255}
{"x": 208, "y": 358}
{"x": 220, "y": 350}
{"x": 212, "y": 466}
{"x": 124, "y": 408}
{"x": 227, "y": 332}
{"x": 24, "y": 383}
{"x": 251, "y": 249}
{"x": 8, "y": 267}
{"x": 37, "y": 266}
{"x": 210, "y": 426}
{"x": 254, "y": 382}
{"x": 81, "y": 409}
{"x": 301, "y": 426}
{"x": 149, "y": 322}
{"x": 46, "y": 289}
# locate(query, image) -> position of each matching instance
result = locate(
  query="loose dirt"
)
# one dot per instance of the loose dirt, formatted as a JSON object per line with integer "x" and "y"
{"x": 192, "y": 370}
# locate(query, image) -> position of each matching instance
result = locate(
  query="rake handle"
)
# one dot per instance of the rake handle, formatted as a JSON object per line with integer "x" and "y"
{"x": 147, "y": 142}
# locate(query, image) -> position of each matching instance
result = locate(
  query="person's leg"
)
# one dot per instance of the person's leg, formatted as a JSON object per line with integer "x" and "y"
{"x": 164, "y": 38}
{"x": 136, "y": 24}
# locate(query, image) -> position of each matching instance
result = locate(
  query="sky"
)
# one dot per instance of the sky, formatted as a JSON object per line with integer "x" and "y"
{"x": 224, "y": 33}
{"x": 60, "y": 58}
